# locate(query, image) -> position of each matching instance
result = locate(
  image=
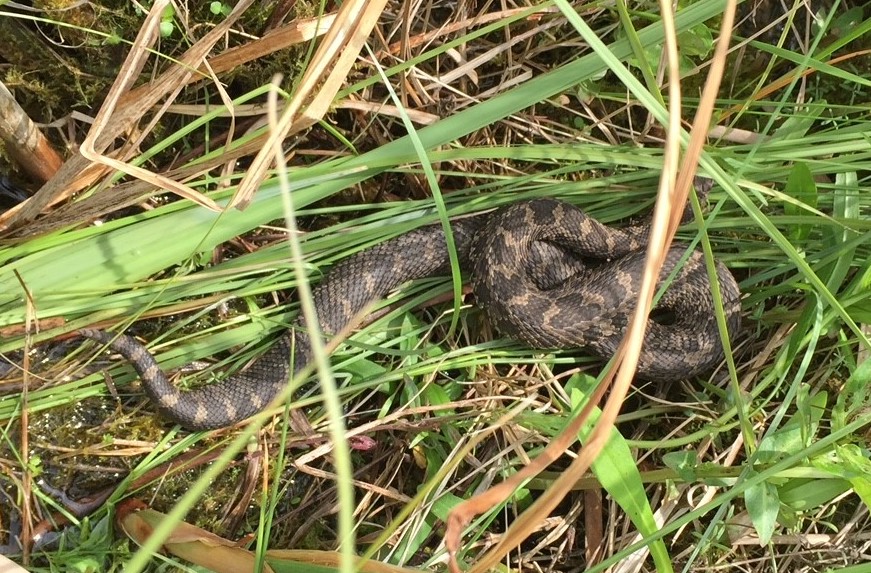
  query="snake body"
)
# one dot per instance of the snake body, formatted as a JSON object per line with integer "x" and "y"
{"x": 547, "y": 274}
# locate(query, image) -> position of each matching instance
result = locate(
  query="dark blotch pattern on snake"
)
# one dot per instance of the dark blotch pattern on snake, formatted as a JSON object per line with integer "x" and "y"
{"x": 547, "y": 274}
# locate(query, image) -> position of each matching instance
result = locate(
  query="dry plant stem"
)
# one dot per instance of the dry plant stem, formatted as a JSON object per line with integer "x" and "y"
{"x": 784, "y": 81}
{"x": 288, "y": 35}
{"x": 660, "y": 238}
{"x": 9, "y": 566}
{"x": 463, "y": 512}
{"x": 23, "y": 141}
{"x": 593, "y": 530}
{"x": 279, "y": 12}
{"x": 338, "y": 52}
{"x": 229, "y": 164}
{"x": 93, "y": 147}
{"x": 627, "y": 355}
{"x": 378, "y": 108}
{"x": 79, "y": 172}
{"x": 99, "y": 204}
{"x": 664, "y": 226}
{"x": 324, "y": 449}
{"x": 446, "y": 31}
{"x": 27, "y": 478}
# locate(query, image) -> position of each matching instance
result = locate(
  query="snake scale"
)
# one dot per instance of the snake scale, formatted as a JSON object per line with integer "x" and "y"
{"x": 547, "y": 274}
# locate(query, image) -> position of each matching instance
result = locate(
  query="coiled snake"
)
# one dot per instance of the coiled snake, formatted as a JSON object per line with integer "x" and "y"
{"x": 547, "y": 274}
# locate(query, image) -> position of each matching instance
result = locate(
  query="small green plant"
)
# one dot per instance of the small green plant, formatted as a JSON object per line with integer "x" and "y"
{"x": 219, "y": 8}
{"x": 167, "y": 21}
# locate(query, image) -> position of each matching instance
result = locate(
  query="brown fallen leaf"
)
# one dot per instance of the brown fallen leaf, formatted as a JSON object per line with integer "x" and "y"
{"x": 221, "y": 555}
{"x": 187, "y": 541}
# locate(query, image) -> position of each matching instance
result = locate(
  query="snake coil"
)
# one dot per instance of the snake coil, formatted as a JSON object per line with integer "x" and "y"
{"x": 547, "y": 274}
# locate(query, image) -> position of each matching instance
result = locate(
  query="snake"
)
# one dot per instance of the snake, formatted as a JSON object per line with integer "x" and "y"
{"x": 547, "y": 275}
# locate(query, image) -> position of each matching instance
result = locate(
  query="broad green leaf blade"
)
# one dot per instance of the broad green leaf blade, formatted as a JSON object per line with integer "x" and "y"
{"x": 617, "y": 471}
{"x": 763, "y": 506}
